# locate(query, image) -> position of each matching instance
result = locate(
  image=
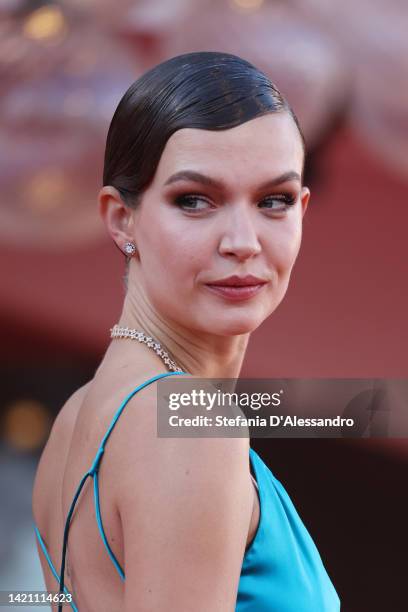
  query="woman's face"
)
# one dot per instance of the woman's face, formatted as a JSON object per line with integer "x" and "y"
{"x": 222, "y": 204}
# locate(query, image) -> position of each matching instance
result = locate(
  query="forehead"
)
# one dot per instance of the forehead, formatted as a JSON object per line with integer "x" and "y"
{"x": 265, "y": 145}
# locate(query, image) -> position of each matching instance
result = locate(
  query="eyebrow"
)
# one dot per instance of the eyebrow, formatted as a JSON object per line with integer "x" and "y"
{"x": 197, "y": 177}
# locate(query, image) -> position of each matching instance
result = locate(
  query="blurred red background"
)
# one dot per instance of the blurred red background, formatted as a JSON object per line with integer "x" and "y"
{"x": 64, "y": 67}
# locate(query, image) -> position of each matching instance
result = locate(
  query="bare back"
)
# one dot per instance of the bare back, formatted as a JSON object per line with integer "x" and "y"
{"x": 69, "y": 453}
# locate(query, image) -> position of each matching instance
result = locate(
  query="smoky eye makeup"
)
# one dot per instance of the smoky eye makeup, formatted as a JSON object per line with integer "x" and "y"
{"x": 281, "y": 201}
{"x": 192, "y": 202}
{"x": 195, "y": 203}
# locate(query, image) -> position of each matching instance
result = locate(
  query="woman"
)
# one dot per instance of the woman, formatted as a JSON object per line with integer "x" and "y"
{"x": 203, "y": 192}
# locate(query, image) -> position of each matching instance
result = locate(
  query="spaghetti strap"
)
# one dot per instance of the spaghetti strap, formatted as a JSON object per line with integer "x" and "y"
{"x": 101, "y": 529}
{"x": 93, "y": 473}
{"x": 50, "y": 563}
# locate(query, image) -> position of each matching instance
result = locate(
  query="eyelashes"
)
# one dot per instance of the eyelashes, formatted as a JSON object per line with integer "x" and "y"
{"x": 189, "y": 202}
{"x": 284, "y": 200}
{"x": 185, "y": 201}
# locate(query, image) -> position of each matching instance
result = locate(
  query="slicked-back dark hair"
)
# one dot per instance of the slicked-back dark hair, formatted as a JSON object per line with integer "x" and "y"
{"x": 207, "y": 90}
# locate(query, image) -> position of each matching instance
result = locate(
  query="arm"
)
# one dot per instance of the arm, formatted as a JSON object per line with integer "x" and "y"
{"x": 185, "y": 510}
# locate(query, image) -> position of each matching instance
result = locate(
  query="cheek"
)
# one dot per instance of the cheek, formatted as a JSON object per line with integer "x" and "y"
{"x": 175, "y": 254}
{"x": 282, "y": 249}
{"x": 283, "y": 246}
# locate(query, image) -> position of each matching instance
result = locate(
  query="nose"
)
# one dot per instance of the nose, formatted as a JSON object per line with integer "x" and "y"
{"x": 240, "y": 237}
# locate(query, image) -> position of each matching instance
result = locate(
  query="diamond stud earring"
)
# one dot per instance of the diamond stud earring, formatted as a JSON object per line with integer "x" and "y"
{"x": 130, "y": 249}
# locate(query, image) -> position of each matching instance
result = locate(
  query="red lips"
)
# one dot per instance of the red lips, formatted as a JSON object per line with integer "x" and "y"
{"x": 239, "y": 281}
{"x": 237, "y": 288}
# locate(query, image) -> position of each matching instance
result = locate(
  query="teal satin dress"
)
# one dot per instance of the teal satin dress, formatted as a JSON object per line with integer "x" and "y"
{"x": 282, "y": 570}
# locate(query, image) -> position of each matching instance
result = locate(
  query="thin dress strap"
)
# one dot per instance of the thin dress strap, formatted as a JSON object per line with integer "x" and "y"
{"x": 94, "y": 469}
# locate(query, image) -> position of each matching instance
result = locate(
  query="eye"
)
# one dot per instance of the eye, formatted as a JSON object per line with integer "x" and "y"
{"x": 191, "y": 202}
{"x": 279, "y": 203}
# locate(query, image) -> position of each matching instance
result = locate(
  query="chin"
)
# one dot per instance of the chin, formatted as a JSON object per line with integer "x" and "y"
{"x": 234, "y": 326}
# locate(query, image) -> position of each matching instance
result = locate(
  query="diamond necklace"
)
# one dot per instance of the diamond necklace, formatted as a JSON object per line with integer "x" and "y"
{"x": 134, "y": 334}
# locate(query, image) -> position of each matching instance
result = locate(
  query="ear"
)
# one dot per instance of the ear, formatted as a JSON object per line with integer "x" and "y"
{"x": 304, "y": 199}
{"x": 116, "y": 215}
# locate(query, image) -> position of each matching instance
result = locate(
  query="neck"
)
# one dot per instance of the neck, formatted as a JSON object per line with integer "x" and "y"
{"x": 201, "y": 355}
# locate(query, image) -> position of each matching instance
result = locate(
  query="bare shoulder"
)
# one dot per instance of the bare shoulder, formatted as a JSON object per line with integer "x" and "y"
{"x": 185, "y": 506}
{"x": 64, "y": 423}
{"x": 57, "y": 447}
{"x": 140, "y": 446}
